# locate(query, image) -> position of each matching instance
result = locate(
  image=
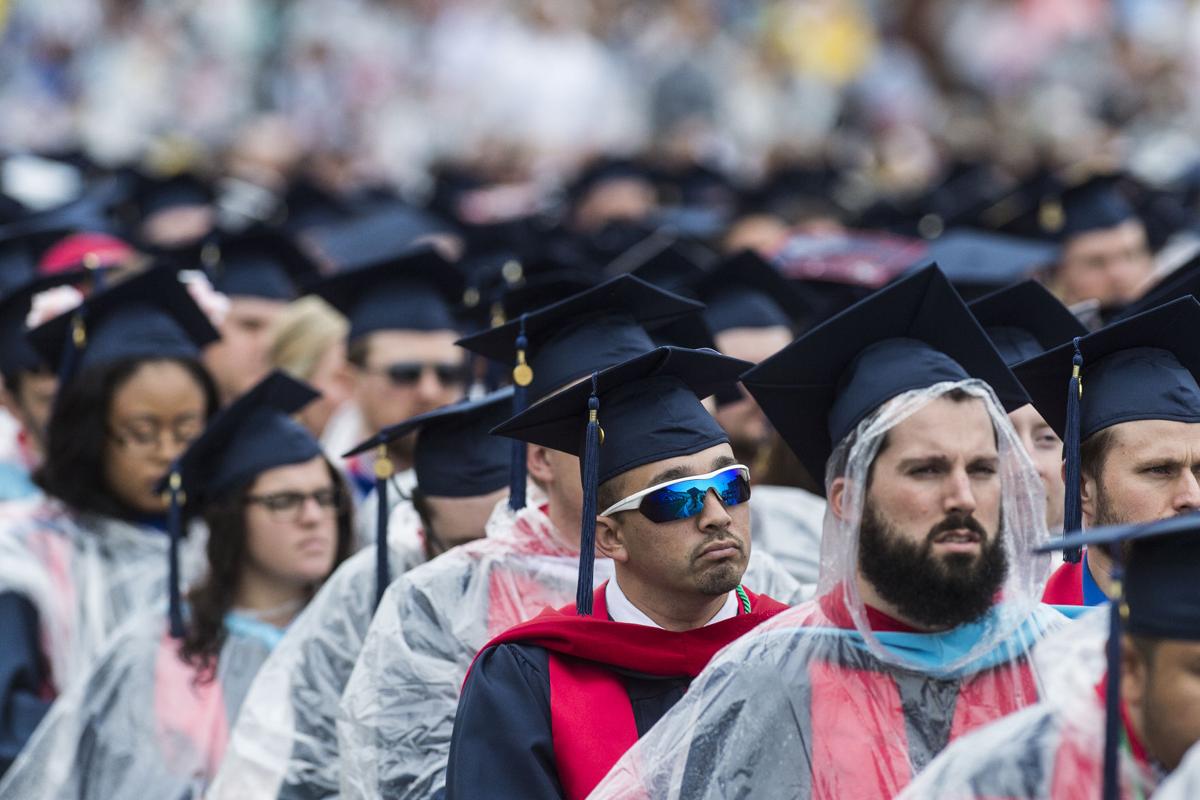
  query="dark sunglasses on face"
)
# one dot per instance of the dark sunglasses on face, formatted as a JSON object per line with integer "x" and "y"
{"x": 684, "y": 497}
{"x": 407, "y": 373}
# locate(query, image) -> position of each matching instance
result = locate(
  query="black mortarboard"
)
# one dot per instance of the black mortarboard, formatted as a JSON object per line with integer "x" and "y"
{"x": 744, "y": 291}
{"x": 455, "y": 456}
{"x": 1025, "y": 320}
{"x": 373, "y": 236}
{"x": 591, "y": 330}
{"x": 609, "y": 168}
{"x": 978, "y": 261}
{"x": 152, "y": 194}
{"x": 1159, "y": 599}
{"x": 306, "y": 204}
{"x": 1160, "y": 586}
{"x": 649, "y": 410}
{"x": 1144, "y": 367}
{"x": 150, "y": 315}
{"x": 665, "y": 261}
{"x": 556, "y": 344}
{"x": 1093, "y": 204}
{"x": 251, "y": 435}
{"x": 259, "y": 263}
{"x": 910, "y": 335}
{"x": 413, "y": 291}
{"x": 16, "y": 353}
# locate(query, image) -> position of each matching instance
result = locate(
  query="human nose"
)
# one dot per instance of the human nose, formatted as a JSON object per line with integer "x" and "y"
{"x": 713, "y": 515}
{"x": 959, "y": 497}
{"x": 429, "y": 386}
{"x": 310, "y": 510}
{"x": 1188, "y": 498}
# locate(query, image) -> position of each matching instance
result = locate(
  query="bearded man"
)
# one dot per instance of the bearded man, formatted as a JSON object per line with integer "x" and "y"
{"x": 927, "y": 602}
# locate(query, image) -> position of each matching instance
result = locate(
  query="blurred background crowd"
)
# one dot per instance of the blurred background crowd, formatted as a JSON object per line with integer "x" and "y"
{"x": 384, "y": 90}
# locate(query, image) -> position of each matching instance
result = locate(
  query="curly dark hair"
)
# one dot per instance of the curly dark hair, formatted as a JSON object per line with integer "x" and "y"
{"x": 77, "y": 434}
{"x": 212, "y": 599}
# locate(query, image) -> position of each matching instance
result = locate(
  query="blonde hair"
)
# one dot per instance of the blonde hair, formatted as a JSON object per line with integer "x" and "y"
{"x": 303, "y": 333}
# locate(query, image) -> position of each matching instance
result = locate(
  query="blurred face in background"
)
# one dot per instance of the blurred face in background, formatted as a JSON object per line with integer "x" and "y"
{"x": 238, "y": 360}
{"x": 399, "y": 374}
{"x": 743, "y": 420}
{"x": 1110, "y": 265}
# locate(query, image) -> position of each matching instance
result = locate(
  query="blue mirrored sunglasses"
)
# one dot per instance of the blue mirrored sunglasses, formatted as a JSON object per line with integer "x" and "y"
{"x": 684, "y": 497}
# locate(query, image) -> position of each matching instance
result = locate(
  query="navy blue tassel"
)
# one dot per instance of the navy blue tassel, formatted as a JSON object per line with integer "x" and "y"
{"x": 175, "y": 501}
{"x": 522, "y": 376}
{"x": 383, "y": 572}
{"x": 1113, "y": 725}
{"x": 1072, "y": 508}
{"x": 590, "y": 469}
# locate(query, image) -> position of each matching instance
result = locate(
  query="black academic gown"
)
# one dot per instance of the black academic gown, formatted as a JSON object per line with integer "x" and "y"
{"x": 515, "y": 758}
{"x": 22, "y": 674}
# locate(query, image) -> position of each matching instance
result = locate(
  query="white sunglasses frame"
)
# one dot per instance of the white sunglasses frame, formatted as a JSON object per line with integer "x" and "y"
{"x": 634, "y": 500}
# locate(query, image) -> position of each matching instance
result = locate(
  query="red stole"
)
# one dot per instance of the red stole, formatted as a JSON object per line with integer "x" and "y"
{"x": 1065, "y": 587}
{"x": 590, "y": 714}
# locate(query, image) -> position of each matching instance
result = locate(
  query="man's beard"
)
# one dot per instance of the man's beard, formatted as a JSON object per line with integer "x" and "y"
{"x": 933, "y": 592}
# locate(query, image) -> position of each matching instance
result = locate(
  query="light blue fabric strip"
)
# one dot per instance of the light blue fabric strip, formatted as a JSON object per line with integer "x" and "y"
{"x": 935, "y": 652}
{"x": 252, "y": 628}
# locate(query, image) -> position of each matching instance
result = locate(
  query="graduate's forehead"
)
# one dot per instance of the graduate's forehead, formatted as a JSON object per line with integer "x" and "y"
{"x": 668, "y": 469}
{"x": 944, "y": 426}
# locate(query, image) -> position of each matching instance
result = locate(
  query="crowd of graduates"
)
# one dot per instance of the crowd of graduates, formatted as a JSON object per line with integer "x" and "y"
{"x": 385, "y": 431}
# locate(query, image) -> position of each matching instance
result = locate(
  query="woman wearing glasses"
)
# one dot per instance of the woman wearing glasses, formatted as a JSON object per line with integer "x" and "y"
{"x": 153, "y": 717}
{"x": 78, "y": 561}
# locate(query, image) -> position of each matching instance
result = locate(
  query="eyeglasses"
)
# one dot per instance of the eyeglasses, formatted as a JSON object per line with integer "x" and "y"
{"x": 147, "y": 435}
{"x": 407, "y": 373}
{"x": 290, "y": 504}
{"x": 684, "y": 497}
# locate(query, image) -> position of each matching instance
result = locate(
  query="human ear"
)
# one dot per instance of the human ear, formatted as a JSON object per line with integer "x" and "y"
{"x": 837, "y": 496}
{"x": 610, "y": 539}
{"x": 537, "y": 464}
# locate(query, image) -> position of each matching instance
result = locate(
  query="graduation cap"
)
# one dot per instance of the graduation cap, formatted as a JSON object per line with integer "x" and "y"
{"x": 910, "y": 335}
{"x": 1144, "y": 367}
{"x": 556, "y": 344}
{"x": 455, "y": 456}
{"x": 1025, "y": 320}
{"x": 665, "y": 261}
{"x": 150, "y": 315}
{"x": 413, "y": 291}
{"x": 259, "y": 263}
{"x": 306, "y": 204}
{"x": 16, "y": 353}
{"x": 1158, "y": 597}
{"x": 251, "y": 435}
{"x": 978, "y": 261}
{"x": 606, "y": 169}
{"x": 649, "y": 410}
{"x": 373, "y": 235}
{"x": 744, "y": 291}
{"x": 153, "y": 194}
{"x": 1092, "y": 204}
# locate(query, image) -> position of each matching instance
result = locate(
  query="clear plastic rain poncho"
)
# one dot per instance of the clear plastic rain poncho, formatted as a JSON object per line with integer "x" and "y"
{"x": 1054, "y": 748}
{"x": 140, "y": 725}
{"x": 398, "y": 708}
{"x": 86, "y": 575}
{"x": 1184, "y": 782}
{"x": 285, "y": 741}
{"x": 813, "y": 703}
